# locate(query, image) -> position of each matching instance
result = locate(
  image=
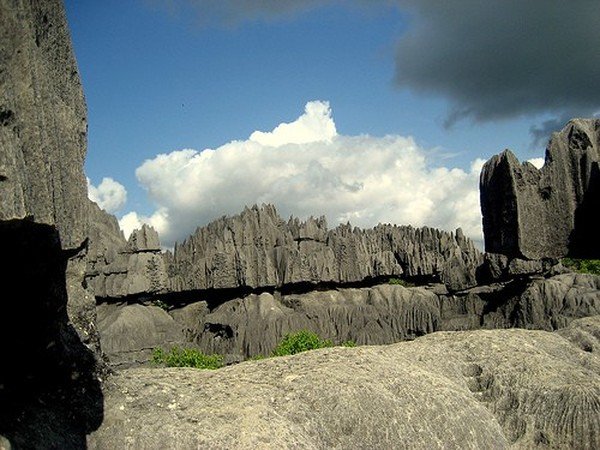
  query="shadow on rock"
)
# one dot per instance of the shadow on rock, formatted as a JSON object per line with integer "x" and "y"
{"x": 49, "y": 390}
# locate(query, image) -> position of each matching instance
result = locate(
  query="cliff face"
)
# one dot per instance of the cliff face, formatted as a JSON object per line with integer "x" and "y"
{"x": 43, "y": 124}
{"x": 48, "y": 386}
{"x": 549, "y": 212}
{"x": 258, "y": 249}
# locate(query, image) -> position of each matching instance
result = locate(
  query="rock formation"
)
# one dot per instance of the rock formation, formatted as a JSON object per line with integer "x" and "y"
{"x": 478, "y": 389}
{"x": 237, "y": 285}
{"x": 258, "y": 249}
{"x": 118, "y": 268}
{"x": 130, "y": 332}
{"x": 550, "y": 212}
{"x": 384, "y": 314}
{"x": 49, "y": 392}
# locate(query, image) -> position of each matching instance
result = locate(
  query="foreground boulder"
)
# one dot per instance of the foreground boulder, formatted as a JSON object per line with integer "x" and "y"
{"x": 550, "y": 212}
{"x": 480, "y": 389}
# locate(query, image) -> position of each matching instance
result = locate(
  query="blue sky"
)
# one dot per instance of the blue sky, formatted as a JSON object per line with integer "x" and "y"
{"x": 163, "y": 76}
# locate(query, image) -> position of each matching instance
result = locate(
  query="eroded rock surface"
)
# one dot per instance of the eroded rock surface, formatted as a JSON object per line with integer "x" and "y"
{"x": 118, "y": 268}
{"x": 383, "y": 314}
{"x": 259, "y": 249}
{"x": 480, "y": 389}
{"x": 550, "y": 212}
{"x": 131, "y": 332}
{"x": 43, "y": 126}
{"x": 49, "y": 391}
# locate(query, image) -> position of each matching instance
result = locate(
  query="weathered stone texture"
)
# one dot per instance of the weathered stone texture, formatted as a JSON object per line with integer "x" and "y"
{"x": 258, "y": 249}
{"x": 131, "y": 332}
{"x": 43, "y": 124}
{"x": 483, "y": 389}
{"x": 49, "y": 391}
{"x": 383, "y": 314}
{"x": 549, "y": 212}
{"x": 117, "y": 267}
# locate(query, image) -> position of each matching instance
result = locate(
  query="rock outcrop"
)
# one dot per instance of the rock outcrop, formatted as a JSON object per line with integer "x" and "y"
{"x": 131, "y": 332}
{"x": 43, "y": 126}
{"x": 258, "y": 249}
{"x": 118, "y": 268}
{"x": 481, "y": 389}
{"x": 537, "y": 303}
{"x": 253, "y": 325}
{"x": 49, "y": 391}
{"x": 550, "y": 212}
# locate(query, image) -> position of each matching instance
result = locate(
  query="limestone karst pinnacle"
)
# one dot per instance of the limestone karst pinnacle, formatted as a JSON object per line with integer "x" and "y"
{"x": 548, "y": 212}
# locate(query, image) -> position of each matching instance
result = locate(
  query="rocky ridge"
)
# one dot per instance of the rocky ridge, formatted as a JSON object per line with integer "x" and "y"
{"x": 502, "y": 388}
{"x": 550, "y": 212}
{"x": 258, "y": 249}
{"x": 253, "y": 325}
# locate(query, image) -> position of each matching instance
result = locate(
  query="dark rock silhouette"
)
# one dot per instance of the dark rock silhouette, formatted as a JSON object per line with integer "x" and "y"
{"x": 551, "y": 212}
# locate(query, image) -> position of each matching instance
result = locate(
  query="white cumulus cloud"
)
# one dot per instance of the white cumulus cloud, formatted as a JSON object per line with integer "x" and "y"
{"x": 537, "y": 162}
{"x": 316, "y": 124}
{"x": 306, "y": 168}
{"x": 110, "y": 195}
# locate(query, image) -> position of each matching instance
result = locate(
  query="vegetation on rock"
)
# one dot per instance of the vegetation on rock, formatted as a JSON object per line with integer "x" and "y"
{"x": 304, "y": 340}
{"x": 591, "y": 266}
{"x": 186, "y": 357}
{"x": 401, "y": 282}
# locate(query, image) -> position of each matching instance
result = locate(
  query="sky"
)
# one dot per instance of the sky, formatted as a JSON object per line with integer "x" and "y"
{"x": 365, "y": 111}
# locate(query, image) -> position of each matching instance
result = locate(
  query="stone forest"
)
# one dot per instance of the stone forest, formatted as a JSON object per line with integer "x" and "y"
{"x": 452, "y": 347}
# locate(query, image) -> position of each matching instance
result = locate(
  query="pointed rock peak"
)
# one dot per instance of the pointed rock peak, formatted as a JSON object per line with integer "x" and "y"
{"x": 143, "y": 240}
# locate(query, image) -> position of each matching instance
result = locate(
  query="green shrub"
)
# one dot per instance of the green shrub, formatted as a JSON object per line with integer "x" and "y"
{"x": 591, "y": 266}
{"x": 186, "y": 357}
{"x": 160, "y": 304}
{"x": 300, "y": 341}
{"x": 349, "y": 344}
{"x": 401, "y": 282}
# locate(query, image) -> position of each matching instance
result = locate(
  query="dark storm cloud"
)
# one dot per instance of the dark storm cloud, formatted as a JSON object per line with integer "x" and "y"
{"x": 491, "y": 59}
{"x": 504, "y": 58}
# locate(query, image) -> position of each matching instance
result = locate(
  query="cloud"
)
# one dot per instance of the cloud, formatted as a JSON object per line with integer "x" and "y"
{"x": 537, "y": 162}
{"x": 504, "y": 58}
{"x": 316, "y": 124}
{"x": 134, "y": 221}
{"x": 110, "y": 195}
{"x": 305, "y": 168}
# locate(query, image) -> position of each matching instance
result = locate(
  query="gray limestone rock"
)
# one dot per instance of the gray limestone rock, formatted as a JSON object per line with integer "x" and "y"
{"x": 43, "y": 125}
{"x": 117, "y": 268}
{"x": 129, "y": 333}
{"x": 380, "y": 315}
{"x": 49, "y": 391}
{"x": 551, "y": 212}
{"x": 383, "y": 314}
{"x": 144, "y": 239}
{"x": 538, "y": 303}
{"x": 484, "y": 389}
{"x": 258, "y": 249}
{"x": 584, "y": 333}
